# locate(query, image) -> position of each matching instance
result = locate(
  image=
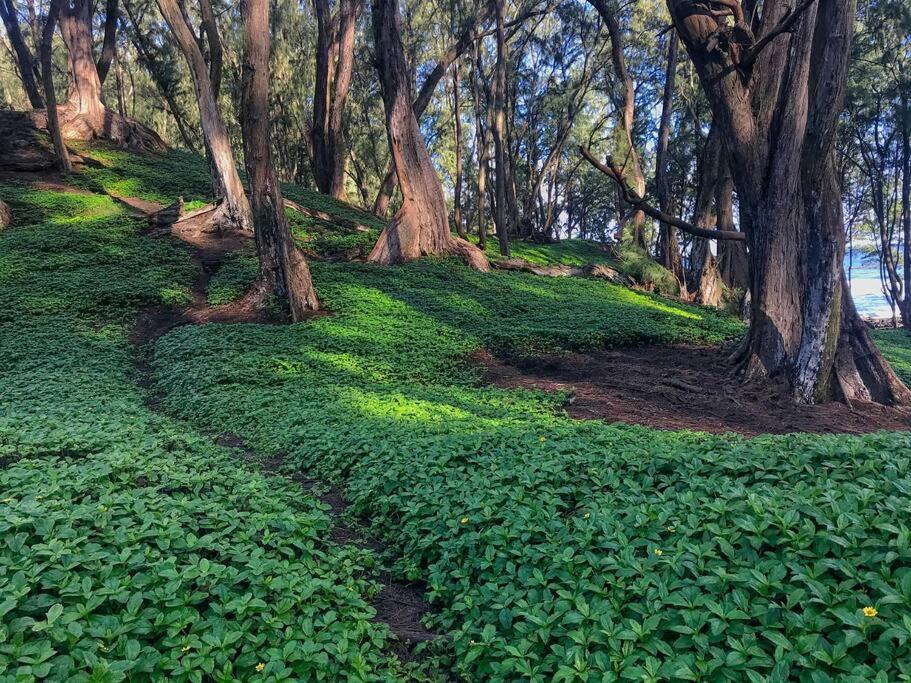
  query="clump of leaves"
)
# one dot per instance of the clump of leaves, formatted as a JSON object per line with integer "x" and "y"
{"x": 235, "y": 276}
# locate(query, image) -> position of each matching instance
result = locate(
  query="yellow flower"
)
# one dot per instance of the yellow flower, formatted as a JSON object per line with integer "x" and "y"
{"x": 659, "y": 552}
{"x": 464, "y": 520}
{"x": 6, "y": 500}
{"x": 260, "y": 666}
{"x": 586, "y": 515}
{"x": 542, "y": 439}
{"x": 870, "y": 612}
{"x": 185, "y": 648}
{"x": 670, "y": 529}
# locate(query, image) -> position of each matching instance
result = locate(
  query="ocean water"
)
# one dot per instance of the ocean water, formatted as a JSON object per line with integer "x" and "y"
{"x": 867, "y": 290}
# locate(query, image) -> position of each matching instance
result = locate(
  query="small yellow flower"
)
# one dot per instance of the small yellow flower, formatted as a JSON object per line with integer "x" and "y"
{"x": 542, "y": 439}
{"x": 102, "y": 647}
{"x": 6, "y": 500}
{"x": 671, "y": 529}
{"x": 464, "y": 520}
{"x": 471, "y": 642}
{"x": 659, "y": 552}
{"x": 260, "y": 666}
{"x": 586, "y": 515}
{"x": 870, "y": 612}
{"x": 185, "y": 648}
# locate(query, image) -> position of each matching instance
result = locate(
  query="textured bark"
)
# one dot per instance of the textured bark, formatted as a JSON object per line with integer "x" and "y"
{"x": 47, "y": 74}
{"x": 234, "y": 209}
{"x": 335, "y": 43}
{"x": 109, "y": 42}
{"x": 906, "y": 209}
{"x": 632, "y": 225}
{"x": 25, "y": 62}
{"x": 668, "y": 245}
{"x": 420, "y": 227}
{"x": 6, "y": 216}
{"x": 501, "y": 153}
{"x": 283, "y": 269}
{"x": 482, "y": 144}
{"x": 213, "y": 40}
{"x": 776, "y": 100}
{"x": 733, "y": 266}
{"x": 457, "y": 135}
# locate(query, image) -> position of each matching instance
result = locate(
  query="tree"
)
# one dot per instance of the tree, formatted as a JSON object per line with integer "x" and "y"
{"x": 421, "y": 226}
{"x": 335, "y": 41}
{"x": 234, "y": 210}
{"x": 47, "y": 74}
{"x": 283, "y": 268}
{"x": 776, "y": 87}
{"x": 29, "y": 73}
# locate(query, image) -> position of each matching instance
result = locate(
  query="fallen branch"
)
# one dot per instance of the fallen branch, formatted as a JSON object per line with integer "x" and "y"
{"x": 630, "y": 197}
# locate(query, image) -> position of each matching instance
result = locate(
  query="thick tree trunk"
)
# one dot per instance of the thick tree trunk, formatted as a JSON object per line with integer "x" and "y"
{"x": 47, "y": 74}
{"x": 234, "y": 209}
{"x": 215, "y": 56}
{"x": 421, "y": 226}
{"x": 905, "y": 114}
{"x": 776, "y": 100}
{"x": 27, "y": 65}
{"x": 668, "y": 245}
{"x": 283, "y": 269}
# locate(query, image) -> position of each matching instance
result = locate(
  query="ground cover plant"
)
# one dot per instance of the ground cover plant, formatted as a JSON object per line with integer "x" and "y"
{"x": 133, "y": 547}
{"x": 896, "y": 344}
{"x": 553, "y": 549}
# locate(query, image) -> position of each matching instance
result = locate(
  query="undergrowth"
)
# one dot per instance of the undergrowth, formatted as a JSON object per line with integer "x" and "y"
{"x": 133, "y": 547}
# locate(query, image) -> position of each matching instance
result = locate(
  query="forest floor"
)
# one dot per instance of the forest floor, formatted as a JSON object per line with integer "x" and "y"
{"x": 681, "y": 387}
{"x": 184, "y": 498}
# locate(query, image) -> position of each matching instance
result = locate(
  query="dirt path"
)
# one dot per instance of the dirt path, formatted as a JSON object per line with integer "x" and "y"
{"x": 401, "y": 606}
{"x": 681, "y": 387}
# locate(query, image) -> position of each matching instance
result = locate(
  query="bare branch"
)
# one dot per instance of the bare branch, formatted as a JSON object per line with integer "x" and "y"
{"x": 783, "y": 26}
{"x": 629, "y": 196}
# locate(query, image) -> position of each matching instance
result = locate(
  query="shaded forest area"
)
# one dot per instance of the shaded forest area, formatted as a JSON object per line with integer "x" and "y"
{"x": 454, "y": 339}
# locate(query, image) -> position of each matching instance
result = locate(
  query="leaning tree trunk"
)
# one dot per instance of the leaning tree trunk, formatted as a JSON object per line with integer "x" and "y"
{"x": 84, "y": 116}
{"x": 27, "y": 65}
{"x": 283, "y": 269}
{"x": 234, "y": 209}
{"x": 776, "y": 99}
{"x": 421, "y": 226}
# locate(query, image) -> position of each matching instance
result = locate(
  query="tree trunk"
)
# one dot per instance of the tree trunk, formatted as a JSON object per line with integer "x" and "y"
{"x": 335, "y": 38}
{"x": 421, "y": 226}
{"x": 47, "y": 74}
{"x": 283, "y": 268}
{"x": 234, "y": 209}
{"x": 216, "y": 58}
{"x": 733, "y": 266}
{"x": 633, "y": 225}
{"x": 109, "y": 42}
{"x": 668, "y": 246}
{"x": 776, "y": 100}
{"x": 457, "y": 135}
{"x": 27, "y": 65}
{"x": 905, "y": 114}
{"x": 482, "y": 144}
{"x": 501, "y": 178}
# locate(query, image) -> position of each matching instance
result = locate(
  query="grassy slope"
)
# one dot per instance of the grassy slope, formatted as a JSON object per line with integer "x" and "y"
{"x": 556, "y": 550}
{"x": 132, "y": 546}
{"x": 896, "y": 344}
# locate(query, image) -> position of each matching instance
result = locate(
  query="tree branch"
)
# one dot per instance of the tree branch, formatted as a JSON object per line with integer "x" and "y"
{"x": 630, "y": 197}
{"x": 783, "y": 26}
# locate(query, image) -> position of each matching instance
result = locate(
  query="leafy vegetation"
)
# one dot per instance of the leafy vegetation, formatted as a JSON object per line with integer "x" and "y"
{"x": 554, "y": 549}
{"x": 133, "y": 547}
{"x": 896, "y": 344}
{"x": 232, "y": 279}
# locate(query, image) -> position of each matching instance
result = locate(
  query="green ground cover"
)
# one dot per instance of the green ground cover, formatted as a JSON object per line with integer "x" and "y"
{"x": 553, "y": 549}
{"x": 132, "y": 547}
{"x": 896, "y": 344}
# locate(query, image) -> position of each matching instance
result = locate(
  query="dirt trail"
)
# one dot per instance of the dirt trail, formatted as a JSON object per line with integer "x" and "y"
{"x": 682, "y": 387}
{"x": 401, "y": 606}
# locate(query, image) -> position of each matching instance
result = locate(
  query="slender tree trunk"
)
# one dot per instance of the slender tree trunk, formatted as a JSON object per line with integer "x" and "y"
{"x": 482, "y": 144}
{"x": 234, "y": 209}
{"x": 457, "y": 134}
{"x": 776, "y": 100}
{"x": 905, "y": 114}
{"x": 27, "y": 65}
{"x": 109, "y": 42}
{"x": 216, "y": 52}
{"x": 733, "y": 266}
{"x": 421, "y": 226}
{"x": 47, "y": 74}
{"x": 501, "y": 178}
{"x": 624, "y": 149}
{"x": 283, "y": 269}
{"x": 668, "y": 245}
{"x": 118, "y": 82}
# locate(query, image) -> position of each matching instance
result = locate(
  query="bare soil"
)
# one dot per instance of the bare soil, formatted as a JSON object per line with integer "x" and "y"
{"x": 681, "y": 387}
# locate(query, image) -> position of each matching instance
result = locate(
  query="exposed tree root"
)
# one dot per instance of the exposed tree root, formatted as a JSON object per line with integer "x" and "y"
{"x": 105, "y": 124}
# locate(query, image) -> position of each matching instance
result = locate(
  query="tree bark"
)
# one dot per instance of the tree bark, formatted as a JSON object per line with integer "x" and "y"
{"x": 234, "y": 209}
{"x": 624, "y": 149}
{"x": 421, "y": 226}
{"x": 283, "y": 268}
{"x": 27, "y": 65}
{"x": 457, "y": 135}
{"x": 482, "y": 144}
{"x": 733, "y": 266}
{"x": 109, "y": 42}
{"x": 668, "y": 245}
{"x": 47, "y": 74}
{"x": 335, "y": 38}
{"x": 216, "y": 52}
{"x": 776, "y": 100}
{"x": 501, "y": 177}
{"x": 905, "y": 113}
